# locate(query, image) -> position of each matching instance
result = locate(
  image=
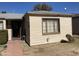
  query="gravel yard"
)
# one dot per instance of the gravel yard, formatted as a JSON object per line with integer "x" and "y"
{"x": 52, "y": 49}
{"x": 2, "y": 48}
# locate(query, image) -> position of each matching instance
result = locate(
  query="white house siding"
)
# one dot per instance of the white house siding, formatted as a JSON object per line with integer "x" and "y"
{"x": 36, "y": 36}
{"x": 9, "y": 34}
{"x": 4, "y": 24}
{"x": 9, "y": 30}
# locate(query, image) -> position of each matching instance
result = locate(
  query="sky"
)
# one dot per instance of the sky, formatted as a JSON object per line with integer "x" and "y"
{"x": 23, "y": 7}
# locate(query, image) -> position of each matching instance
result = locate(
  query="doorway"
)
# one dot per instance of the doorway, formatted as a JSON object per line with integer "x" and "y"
{"x": 16, "y": 28}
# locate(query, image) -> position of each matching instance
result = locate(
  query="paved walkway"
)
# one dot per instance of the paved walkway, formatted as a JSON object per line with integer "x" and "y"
{"x": 14, "y": 48}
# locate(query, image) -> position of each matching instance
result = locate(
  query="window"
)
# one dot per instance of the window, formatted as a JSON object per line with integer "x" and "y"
{"x": 50, "y": 25}
{"x": 1, "y": 25}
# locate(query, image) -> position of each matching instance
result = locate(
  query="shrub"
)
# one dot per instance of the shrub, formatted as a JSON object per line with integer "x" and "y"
{"x": 3, "y": 37}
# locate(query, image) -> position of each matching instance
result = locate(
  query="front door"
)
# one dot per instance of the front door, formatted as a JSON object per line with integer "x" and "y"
{"x": 16, "y": 28}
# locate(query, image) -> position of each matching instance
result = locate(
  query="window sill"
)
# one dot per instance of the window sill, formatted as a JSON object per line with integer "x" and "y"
{"x": 51, "y": 33}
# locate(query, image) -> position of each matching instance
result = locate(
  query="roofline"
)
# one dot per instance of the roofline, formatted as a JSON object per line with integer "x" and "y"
{"x": 18, "y": 16}
{"x": 55, "y": 15}
{"x": 75, "y": 15}
{"x": 2, "y": 18}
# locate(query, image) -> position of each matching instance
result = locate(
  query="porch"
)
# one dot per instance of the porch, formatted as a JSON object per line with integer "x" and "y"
{"x": 14, "y": 28}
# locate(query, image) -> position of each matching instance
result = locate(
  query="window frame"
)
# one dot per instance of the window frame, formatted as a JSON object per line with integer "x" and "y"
{"x": 2, "y": 25}
{"x": 46, "y": 26}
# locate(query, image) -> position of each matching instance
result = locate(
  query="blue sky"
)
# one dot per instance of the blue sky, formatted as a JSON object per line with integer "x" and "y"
{"x": 23, "y": 7}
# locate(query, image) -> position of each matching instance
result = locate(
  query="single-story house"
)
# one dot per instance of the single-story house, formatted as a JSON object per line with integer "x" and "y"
{"x": 38, "y": 27}
{"x": 46, "y": 27}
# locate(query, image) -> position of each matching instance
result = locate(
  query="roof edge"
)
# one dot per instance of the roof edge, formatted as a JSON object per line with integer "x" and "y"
{"x": 55, "y": 15}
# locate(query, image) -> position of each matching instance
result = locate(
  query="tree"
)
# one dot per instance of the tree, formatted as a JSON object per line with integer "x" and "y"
{"x": 42, "y": 7}
{"x": 3, "y": 12}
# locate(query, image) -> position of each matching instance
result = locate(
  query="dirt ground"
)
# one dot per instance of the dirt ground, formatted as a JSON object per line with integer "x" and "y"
{"x": 52, "y": 49}
{"x": 2, "y": 48}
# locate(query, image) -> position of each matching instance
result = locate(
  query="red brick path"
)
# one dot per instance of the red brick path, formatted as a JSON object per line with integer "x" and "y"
{"x": 14, "y": 48}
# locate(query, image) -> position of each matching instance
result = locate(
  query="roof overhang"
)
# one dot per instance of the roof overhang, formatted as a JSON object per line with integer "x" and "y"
{"x": 47, "y": 15}
{"x": 11, "y": 16}
{"x": 75, "y": 15}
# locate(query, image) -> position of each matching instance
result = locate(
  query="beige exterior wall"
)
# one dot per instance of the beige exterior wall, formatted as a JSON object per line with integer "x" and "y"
{"x": 9, "y": 34}
{"x": 36, "y": 36}
{"x": 9, "y": 30}
{"x": 4, "y": 24}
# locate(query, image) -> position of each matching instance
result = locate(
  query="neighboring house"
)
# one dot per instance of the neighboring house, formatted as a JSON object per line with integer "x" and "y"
{"x": 11, "y": 22}
{"x": 75, "y": 24}
{"x": 43, "y": 27}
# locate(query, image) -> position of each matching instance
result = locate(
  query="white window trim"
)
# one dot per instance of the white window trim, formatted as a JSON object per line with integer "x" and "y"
{"x": 4, "y": 24}
{"x": 46, "y": 26}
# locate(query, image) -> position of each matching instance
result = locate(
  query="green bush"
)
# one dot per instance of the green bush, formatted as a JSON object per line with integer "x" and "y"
{"x": 3, "y": 37}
